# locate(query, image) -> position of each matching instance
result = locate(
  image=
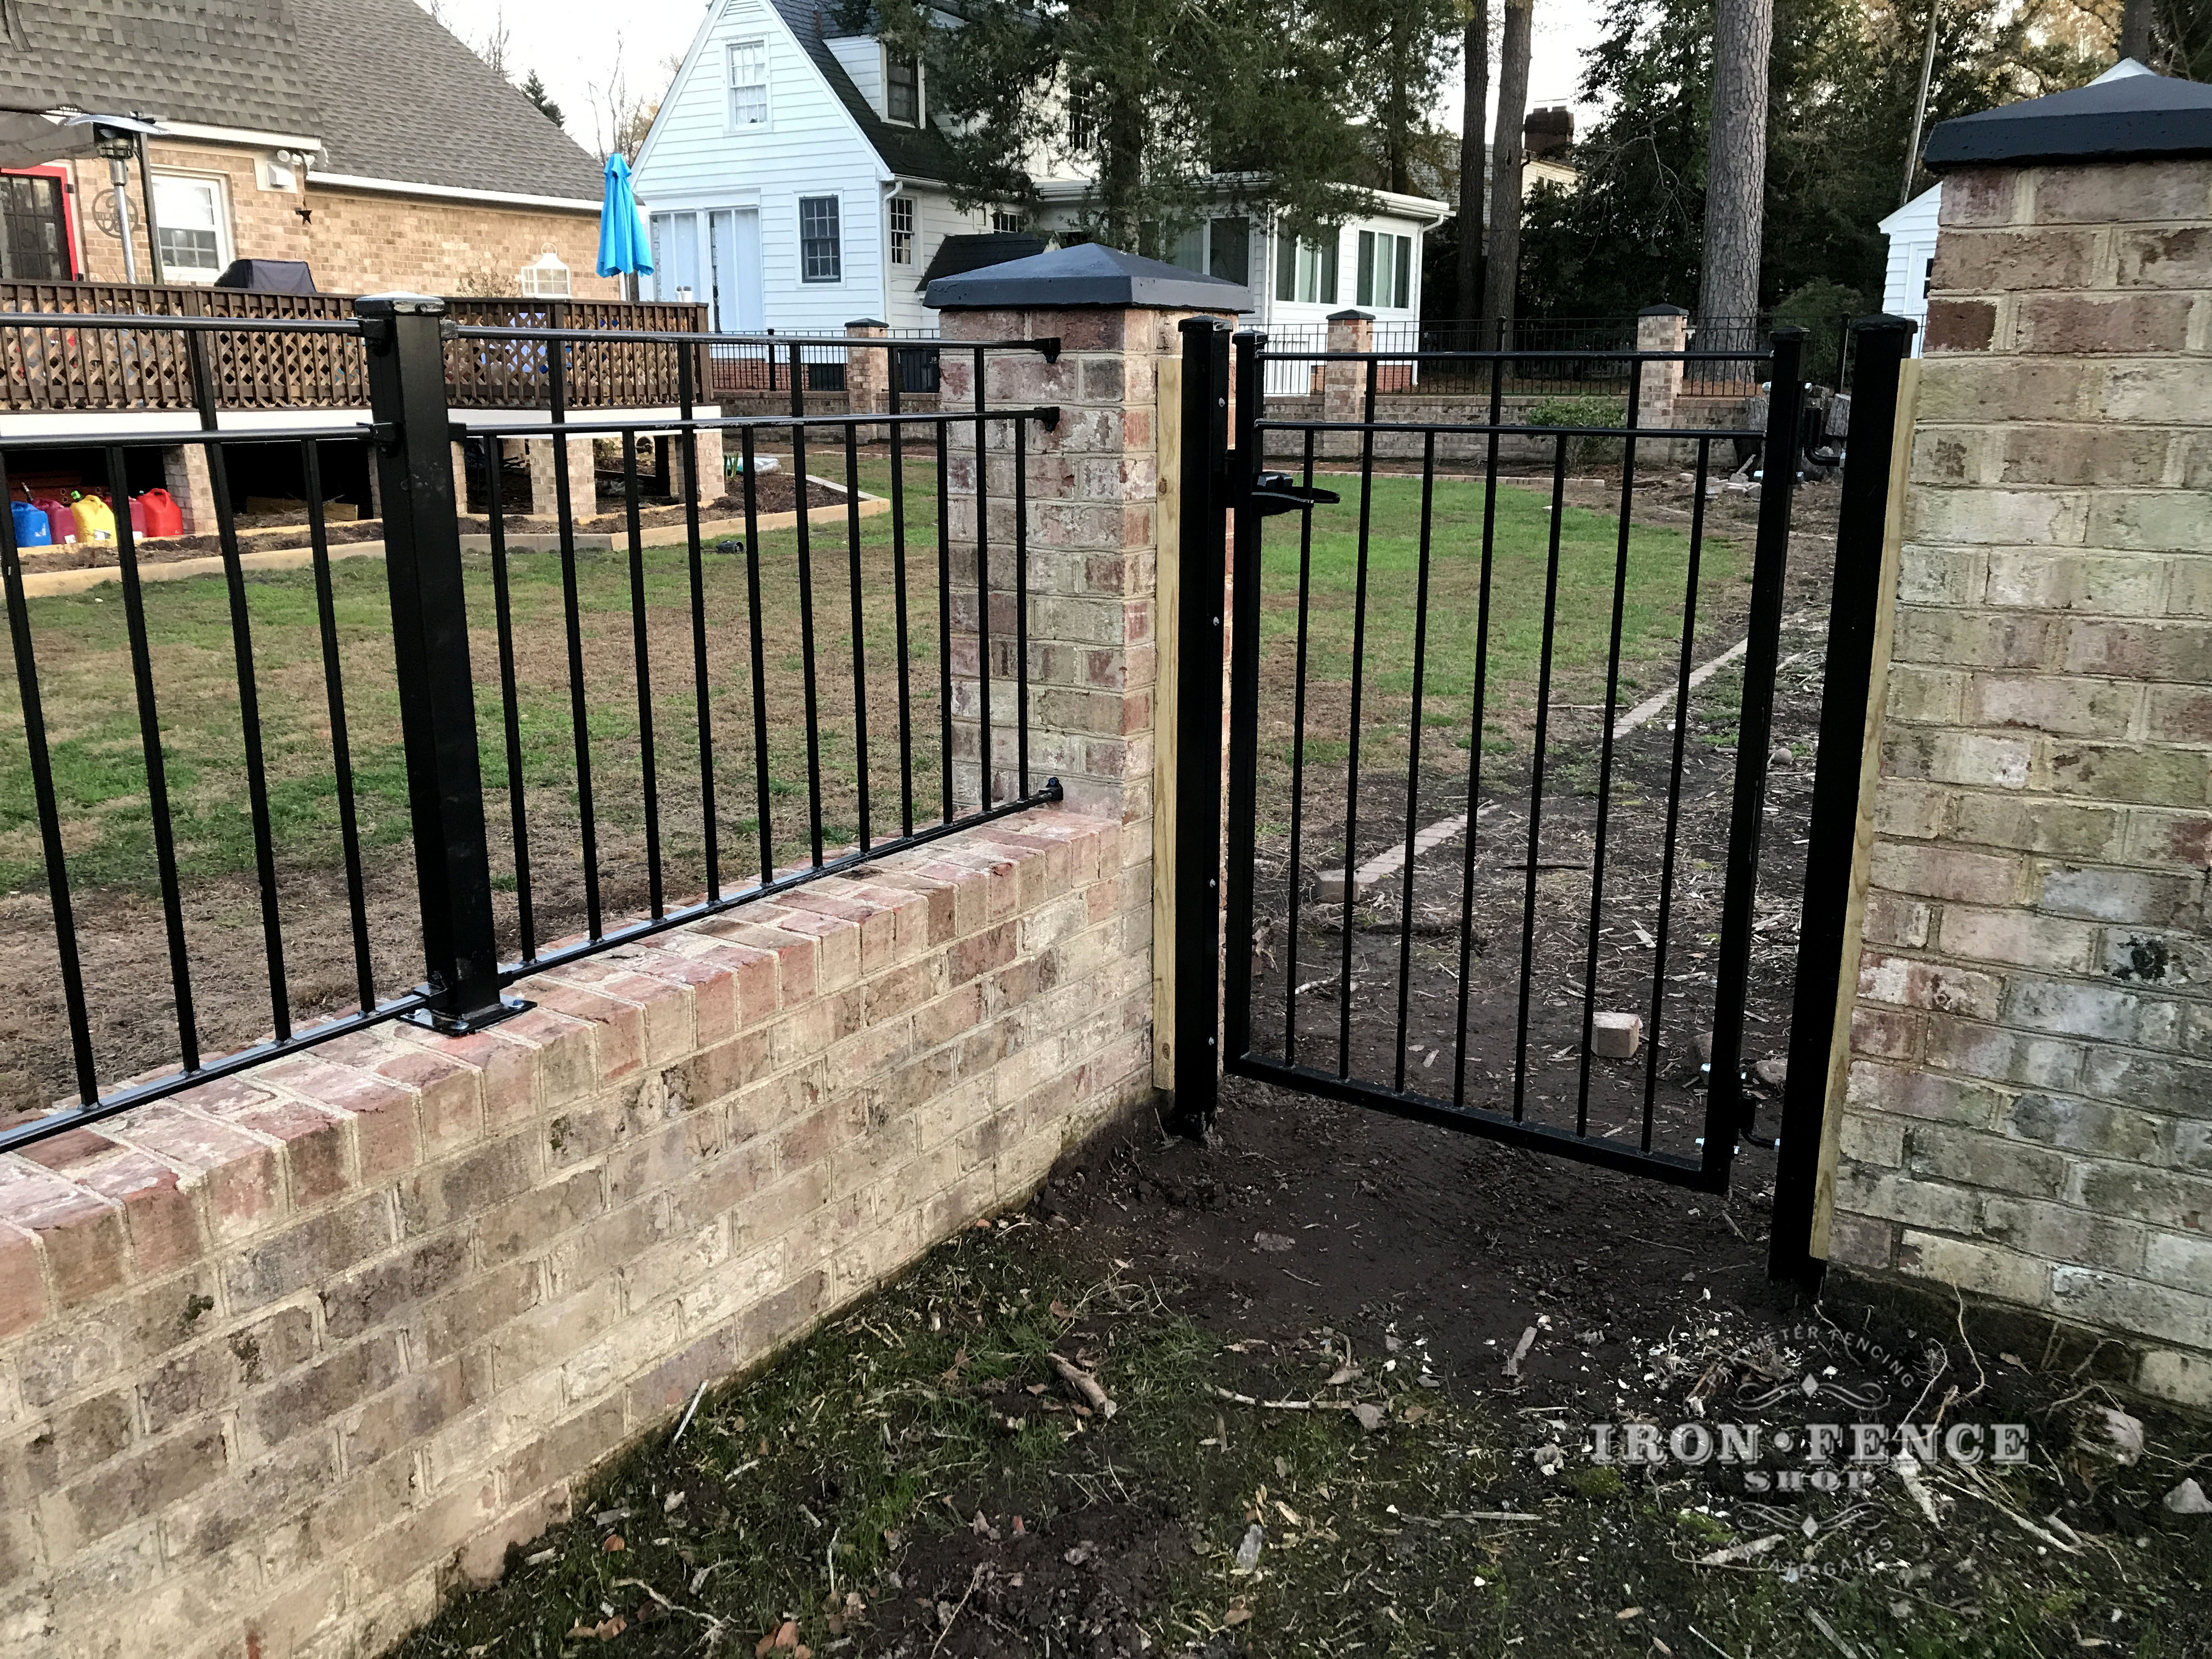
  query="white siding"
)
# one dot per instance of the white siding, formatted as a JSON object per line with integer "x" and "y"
{"x": 1911, "y": 233}
{"x": 1274, "y": 312}
{"x": 934, "y": 219}
{"x": 695, "y": 159}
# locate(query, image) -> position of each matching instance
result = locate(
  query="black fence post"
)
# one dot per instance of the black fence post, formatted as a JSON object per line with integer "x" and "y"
{"x": 1839, "y": 775}
{"x": 1198, "y": 725}
{"x": 1726, "y": 1115}
{"x": 405, "y": 337}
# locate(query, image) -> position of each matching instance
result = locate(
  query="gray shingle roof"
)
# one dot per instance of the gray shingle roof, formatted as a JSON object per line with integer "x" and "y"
{"x": 401, "y": 98}
{"x": 911, "y": 152}
{"x": 224, "y": 63}
{"x": 390, "y": 93}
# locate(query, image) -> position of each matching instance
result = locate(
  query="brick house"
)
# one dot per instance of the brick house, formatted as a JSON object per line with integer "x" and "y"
{"x": 359, "y": 136}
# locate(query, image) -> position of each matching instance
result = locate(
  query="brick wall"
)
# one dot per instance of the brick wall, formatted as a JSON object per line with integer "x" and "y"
{"x": 1093, "y": 537}
{"x": 2030, "y": 1102}
{"x": 285, "y": 1359}
{"x": 359, "y": 242}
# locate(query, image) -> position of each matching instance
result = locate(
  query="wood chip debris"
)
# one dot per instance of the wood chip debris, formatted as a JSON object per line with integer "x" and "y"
{"x": 1084, "y": 1386}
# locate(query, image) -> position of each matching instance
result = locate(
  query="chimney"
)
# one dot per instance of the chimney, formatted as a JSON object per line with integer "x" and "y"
{"x": 1549, "y": 131}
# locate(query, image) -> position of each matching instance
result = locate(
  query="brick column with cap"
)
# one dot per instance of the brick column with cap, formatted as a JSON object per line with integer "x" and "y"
{"x": 1093, "y": 485}
{"x": 867, "y": 371}
{"x": 1343, "y": 386}
{"x": 2028, "y": 1112}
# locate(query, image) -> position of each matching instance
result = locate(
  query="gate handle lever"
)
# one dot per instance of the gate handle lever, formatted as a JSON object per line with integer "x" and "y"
{"x": 1274, "y": 492}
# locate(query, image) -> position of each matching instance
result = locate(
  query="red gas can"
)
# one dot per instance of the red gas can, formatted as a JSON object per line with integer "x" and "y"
{"x": 156, "y": 514}
{"x": 61, "y": 517}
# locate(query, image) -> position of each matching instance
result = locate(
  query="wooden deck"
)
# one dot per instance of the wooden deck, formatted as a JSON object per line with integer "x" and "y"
{"x": 64, "y": 369}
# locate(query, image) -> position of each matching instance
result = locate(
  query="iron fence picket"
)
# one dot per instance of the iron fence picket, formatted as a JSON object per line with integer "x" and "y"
{"x": 406, "y": 346}
{"x": 1524, "y": 1113}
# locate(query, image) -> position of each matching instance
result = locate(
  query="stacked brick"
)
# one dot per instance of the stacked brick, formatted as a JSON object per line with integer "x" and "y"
{"x": 1093, "y": 489}
{"x": 285, "y": 1358}
{"x": 2030, "y": 1106}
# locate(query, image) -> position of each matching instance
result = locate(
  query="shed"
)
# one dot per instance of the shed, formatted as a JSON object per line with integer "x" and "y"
{"x": 1911, "y": 232}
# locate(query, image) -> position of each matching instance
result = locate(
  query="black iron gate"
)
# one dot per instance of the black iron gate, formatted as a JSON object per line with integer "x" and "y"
{"x": 1496, "y": 784}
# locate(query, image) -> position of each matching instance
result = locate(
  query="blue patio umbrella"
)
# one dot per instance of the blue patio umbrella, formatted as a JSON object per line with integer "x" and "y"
{"x": 624, "y": 244}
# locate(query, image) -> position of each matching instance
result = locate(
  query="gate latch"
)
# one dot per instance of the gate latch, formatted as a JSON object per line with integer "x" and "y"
{"x": 1275, "y": 492}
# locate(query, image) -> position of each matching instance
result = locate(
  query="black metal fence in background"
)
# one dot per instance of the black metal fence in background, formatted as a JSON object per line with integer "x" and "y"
{"x": 468, "y": 855}
{"x": 1567, "y": 357}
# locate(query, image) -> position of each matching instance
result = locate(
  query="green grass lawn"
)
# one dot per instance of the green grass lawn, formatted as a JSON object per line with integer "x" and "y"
{"x": 84, "y": 665}
{"x": 1589, "y": 550}
{"x": 85, "y": 676}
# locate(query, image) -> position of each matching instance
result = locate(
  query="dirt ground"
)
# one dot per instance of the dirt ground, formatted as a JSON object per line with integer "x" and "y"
{"x": 1376, "y": 1383}
{"x": 1526, "y": 898}
{"x": 1322, "y": 1445}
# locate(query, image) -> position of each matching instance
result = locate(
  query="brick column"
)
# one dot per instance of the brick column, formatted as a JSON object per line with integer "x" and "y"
{"x": 713, "y": 479}
{"x": 2029, "y": 1110}
{"x": 1660, "y": 328}
{"x": 867, "y": 373}
{"x": 583, "y": 499}
{"x": 185, "y": 475}
{"x": 1093, "y": 532}
{"x": 1343, "y": 386}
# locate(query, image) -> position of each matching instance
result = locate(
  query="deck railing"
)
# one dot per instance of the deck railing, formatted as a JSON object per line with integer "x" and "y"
{"x": 66, "y": 370}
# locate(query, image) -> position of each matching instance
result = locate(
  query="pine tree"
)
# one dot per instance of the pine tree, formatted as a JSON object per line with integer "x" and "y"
{"x": 1736, "y": 164}
{"x": 1843, "y": 74}
{"x": 1502, "y": 273}
{"x": 1474, "y": 62}
{"x": 534, "y": 89}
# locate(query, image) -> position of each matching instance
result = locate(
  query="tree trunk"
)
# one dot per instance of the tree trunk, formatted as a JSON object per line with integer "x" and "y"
{"x": 1506, "y": 155}
{"x": 1736, "y": 166}
{"x": 2135, "y": 30}
{"x": 1467, "y": 292}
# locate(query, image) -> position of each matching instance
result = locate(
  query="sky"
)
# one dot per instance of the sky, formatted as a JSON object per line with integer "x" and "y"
{"x": 573, "y": 45}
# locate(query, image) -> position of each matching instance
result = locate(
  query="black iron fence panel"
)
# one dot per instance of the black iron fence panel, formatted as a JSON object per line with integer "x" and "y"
{"x": 620, "y": 671}
{"x": 1498, "y": 745}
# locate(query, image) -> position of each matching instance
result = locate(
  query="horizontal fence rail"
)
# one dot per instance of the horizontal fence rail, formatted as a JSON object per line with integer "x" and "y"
{"x": 729, "y": 657}
{"x": 1552, "y": 358}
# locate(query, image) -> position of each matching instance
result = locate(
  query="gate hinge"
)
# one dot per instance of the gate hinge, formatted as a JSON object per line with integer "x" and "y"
{"x": 1276, "y": 492}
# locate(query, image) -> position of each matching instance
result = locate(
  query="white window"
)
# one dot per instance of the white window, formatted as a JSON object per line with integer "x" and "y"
{"x": 749, "y": 83}
{"x": 821, "y": 253}
{"x": 1007, "y": 223}
{"x": 192, "y": 218}
{"x": 545, "y": 277}
{"x": 1228, "y": 249}
{"x": 902, "y": 90}
{"x": 1386, "y": 269}
{"x": 901, "y": 230}
{"x": 1305, "y": 270}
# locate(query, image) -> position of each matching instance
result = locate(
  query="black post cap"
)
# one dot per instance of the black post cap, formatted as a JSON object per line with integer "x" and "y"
{"x": 2128, "y": 114}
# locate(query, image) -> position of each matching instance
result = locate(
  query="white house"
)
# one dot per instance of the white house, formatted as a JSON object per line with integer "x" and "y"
{"x": 1911, "y": 232}
{"x": 792, "y": 182}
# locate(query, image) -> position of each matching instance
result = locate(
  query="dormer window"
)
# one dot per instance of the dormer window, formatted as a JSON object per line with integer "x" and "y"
{"x": 748, "y": 83}
{"x": 902, "y": 89}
